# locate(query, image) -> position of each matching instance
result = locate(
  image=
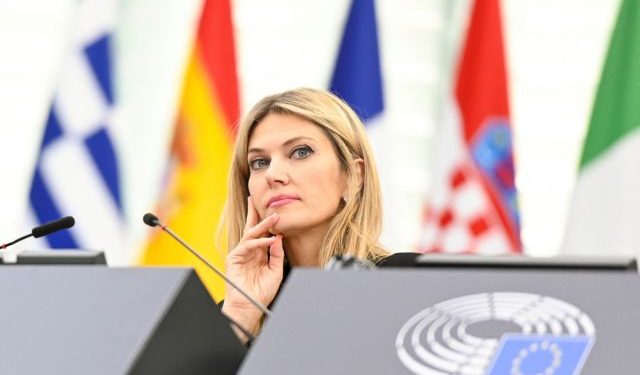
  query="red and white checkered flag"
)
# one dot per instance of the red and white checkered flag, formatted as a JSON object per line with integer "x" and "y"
{"x": 472, "y": 206}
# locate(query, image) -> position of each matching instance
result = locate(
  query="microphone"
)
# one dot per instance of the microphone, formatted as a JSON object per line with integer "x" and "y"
{"x": 150, "y": 219}
{"x": 153, "y": 221}
{"x": 45, "y": 229}
{"x": 53, "y": 226}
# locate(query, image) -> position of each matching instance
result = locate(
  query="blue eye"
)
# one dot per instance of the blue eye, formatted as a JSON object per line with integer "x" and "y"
{"x": 302, "y": 152}
{"x": 258, "y": 163}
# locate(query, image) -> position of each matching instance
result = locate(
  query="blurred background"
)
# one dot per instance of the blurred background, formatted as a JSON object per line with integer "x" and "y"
{"x": 554, "y": 53}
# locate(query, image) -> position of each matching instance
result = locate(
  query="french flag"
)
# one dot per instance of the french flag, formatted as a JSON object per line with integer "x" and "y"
{"x": 357, "y": 79}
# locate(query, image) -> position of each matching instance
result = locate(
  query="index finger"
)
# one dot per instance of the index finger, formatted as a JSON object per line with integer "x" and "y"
{"x": 253, "y": 218}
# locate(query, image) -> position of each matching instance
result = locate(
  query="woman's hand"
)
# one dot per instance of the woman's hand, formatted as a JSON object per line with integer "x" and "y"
{"x": 256, "y": 266}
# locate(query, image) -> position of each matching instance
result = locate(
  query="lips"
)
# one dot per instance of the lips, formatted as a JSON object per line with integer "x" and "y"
{"x": 281, "y": 200}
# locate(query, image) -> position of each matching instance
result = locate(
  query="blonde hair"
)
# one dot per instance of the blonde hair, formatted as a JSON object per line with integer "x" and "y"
{"x": 356, "y": 227}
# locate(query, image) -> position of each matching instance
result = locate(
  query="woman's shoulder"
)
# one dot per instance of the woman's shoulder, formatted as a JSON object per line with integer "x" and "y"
{"x": 402, "y": 259}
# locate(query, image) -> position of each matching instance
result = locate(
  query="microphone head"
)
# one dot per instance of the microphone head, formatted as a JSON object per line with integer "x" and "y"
{"x": 53, "y": 226}
{"x": 151, "y": 219}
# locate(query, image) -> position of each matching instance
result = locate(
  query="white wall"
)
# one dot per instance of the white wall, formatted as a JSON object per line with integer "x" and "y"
{"x": 32, "y": 40}
{"x": 555, "y": 50}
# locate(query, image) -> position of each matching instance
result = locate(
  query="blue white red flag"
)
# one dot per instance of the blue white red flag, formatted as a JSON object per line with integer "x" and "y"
{"x": 357, "y": 78}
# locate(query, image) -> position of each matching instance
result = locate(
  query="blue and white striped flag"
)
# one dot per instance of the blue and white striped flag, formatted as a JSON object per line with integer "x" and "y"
{"x": 77, "y": 168}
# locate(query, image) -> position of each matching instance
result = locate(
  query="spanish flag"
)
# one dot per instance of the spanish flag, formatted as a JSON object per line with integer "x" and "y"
{"x": 196, "y": 176}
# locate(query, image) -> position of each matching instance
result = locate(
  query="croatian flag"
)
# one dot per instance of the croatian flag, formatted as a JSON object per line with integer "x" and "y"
{"x": 77, "y": 167}
{"x": 472, "y": 206}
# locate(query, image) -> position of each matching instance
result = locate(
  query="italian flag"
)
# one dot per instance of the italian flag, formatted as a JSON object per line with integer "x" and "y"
{"x": 605, "y": 216}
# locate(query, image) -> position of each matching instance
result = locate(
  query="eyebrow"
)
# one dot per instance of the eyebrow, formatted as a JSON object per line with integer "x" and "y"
{"x": 284, "y": 144}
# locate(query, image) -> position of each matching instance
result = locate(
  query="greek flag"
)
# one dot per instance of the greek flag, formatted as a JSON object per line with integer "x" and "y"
{"x": 77, "y": 167}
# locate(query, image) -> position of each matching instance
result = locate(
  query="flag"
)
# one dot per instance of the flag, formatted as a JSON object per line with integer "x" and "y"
{"x": 472, "y": 206}
{"x": 357, "y": 79}
{"x": 77, "y": 169}
{"x": 605, "y": 211}
{"x": 196, "y": 179}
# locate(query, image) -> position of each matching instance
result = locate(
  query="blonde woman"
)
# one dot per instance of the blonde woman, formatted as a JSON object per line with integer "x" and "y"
{"x": 303, "y": 187}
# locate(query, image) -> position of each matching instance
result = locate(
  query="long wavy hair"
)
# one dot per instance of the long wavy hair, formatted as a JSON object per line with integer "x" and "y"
{"x": 356, "y": 227}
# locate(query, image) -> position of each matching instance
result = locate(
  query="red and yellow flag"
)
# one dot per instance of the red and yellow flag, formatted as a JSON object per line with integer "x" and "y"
{"x": 196, "y": 184}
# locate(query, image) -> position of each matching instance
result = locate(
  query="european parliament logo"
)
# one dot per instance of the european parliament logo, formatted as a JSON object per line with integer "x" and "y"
{"x": 544, "y": 355}
{"x": 497, "y": 333}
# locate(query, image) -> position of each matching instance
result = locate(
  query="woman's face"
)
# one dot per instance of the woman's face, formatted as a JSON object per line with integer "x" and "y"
{"x": 294, "y": 172}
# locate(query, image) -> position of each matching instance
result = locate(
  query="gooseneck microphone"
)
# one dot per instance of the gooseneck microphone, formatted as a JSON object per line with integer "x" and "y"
{"x": 45, "y": 229}
{"x": 152, "y": 221}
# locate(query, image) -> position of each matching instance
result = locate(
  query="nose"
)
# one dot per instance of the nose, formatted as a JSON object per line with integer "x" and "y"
{"x": 276, "y": 173}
